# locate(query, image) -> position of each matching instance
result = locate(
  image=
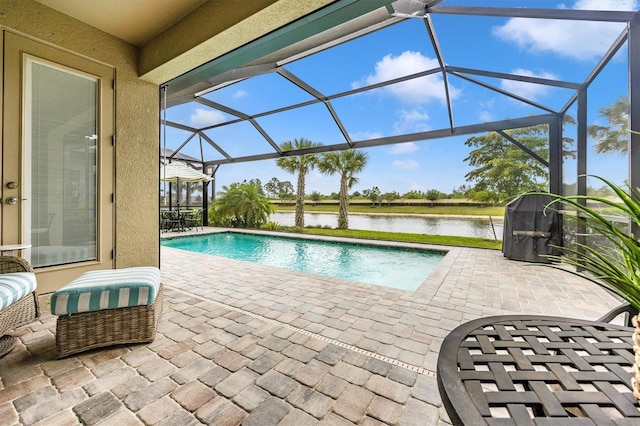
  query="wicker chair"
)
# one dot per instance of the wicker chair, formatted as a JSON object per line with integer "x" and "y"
{"x": 20, "y": 313}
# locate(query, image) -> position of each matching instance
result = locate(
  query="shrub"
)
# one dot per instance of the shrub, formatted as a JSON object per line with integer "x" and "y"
{"x": 244, "y": 205}
{"x": 271, "y": 226}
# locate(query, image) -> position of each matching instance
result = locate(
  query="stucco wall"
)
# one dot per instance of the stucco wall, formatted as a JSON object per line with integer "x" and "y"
{"x": 136, "y": 162}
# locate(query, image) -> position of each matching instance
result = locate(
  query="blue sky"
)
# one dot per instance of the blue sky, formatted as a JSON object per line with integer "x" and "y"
{"x": 556, "y": 49}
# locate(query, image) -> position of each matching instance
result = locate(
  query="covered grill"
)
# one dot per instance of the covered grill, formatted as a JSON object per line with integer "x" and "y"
{"x": 529, "y": 230}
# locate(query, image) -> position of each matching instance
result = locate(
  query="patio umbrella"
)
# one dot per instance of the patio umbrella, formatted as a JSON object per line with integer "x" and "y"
{"x": 179, "y": 171}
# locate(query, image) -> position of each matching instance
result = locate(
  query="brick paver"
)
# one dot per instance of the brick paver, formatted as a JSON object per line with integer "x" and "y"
{"x": 277, "y": 384}
{"x": 193, "y": 395}
{"x": 353, "y": 402}
{"x": 97, "y": 408}
{"x": 251, "y": 398}
{"x": 236, "y": 383}
{"x": 158, "y": 410}
{"x": 269, "y": 413}
{"x": 247, "y": 344}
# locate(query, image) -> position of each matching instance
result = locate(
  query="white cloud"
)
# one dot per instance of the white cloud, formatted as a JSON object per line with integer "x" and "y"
{"x": 404, "y": 148}
{"x": 411, "y": 121}
{"x": 582, "y": 40}
{"x": 416, "y": 91}
{"x": 489, "y": 103}
{"x": 363, "y": 136}
{"x": 527, "y": 90}
{"x": 406, "y": 164}
{"x": 240, "y": 94}
{"x": 205, "y": 117}
{"x": 605, "y": 4}
{"x": 486, "y": 116}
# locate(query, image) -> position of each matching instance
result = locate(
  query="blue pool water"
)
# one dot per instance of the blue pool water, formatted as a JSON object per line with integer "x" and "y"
{"x": 391, "y": 267}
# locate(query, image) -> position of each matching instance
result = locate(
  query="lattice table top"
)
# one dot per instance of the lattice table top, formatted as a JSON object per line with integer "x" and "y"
{"x": 523, "y": 369}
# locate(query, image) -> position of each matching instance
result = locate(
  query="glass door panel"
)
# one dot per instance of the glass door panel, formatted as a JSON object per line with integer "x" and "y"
{"x": 61, "y": 141}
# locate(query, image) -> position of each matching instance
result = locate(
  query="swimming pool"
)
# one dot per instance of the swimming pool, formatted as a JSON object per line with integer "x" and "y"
{"x": 401, "y": 268}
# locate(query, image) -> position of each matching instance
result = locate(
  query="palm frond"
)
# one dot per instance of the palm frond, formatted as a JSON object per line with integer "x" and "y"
{"x": 616, "y": 264}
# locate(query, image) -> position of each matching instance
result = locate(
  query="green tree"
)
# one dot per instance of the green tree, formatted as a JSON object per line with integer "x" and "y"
{"x": 273, "y": 187}
{"x": 614, "y": 137}
{"x": 300, "y": 164}
{"x": 373, "y": 194}
{"x": 413, "y": 195}
{"x": 460, "y": 192}
{"x": 484, "y": 196}
{"x": 502, "y": 167}
{"x": 434, "y": 194}
{"x": 244, "y": 205}
{"x": 285, "y": 190}
{"x": 315, "y": 196}
{"x": 390, "y": 196}
{"x": 345, "y": 163}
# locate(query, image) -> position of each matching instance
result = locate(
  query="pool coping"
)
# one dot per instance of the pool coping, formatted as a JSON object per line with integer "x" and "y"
{"x": 429, "y": 286}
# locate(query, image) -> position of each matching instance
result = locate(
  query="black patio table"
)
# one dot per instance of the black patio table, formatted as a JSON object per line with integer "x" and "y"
{"x": 542, "y": 370}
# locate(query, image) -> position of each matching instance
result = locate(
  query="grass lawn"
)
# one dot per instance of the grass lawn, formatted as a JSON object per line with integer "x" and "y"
{"x": 400, "y": 236}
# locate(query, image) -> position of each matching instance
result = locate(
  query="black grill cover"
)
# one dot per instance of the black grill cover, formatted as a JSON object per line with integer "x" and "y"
{"x": 529, "y": 229}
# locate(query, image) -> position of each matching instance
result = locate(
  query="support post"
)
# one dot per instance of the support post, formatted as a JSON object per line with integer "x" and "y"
{"x": 581, "y": 181}
{"x": 205, "y": 203}
{"x": 555, "y": 155}
{"x": 170, "y": 196}
{"x": 634, "y": 109}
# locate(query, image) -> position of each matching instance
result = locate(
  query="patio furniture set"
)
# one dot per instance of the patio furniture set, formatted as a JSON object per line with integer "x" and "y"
{"x": 180, "y": 220}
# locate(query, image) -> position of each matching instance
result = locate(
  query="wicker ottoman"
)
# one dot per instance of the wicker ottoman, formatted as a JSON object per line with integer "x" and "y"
{"x": 107, "y": 307}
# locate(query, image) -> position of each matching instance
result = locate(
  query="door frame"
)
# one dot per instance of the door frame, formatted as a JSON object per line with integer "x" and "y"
{"x": 16, "y": 49}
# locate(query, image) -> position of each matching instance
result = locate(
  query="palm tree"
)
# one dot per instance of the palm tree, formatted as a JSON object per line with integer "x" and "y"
{"x": 244, "y": 205}
{"x": 300, "y": 164}
{"x": 347, "y": 163}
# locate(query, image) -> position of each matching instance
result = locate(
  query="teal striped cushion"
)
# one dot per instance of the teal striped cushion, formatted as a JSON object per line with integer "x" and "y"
{"x": 107, "y": 289}
{"x": 15, "y": 286}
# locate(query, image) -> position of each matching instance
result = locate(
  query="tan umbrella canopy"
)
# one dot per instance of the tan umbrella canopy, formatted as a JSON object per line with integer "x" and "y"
{"x": 178, "y": 171}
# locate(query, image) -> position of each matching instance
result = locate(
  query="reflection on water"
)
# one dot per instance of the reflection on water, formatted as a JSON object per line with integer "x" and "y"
{"x": 479, "y": 227}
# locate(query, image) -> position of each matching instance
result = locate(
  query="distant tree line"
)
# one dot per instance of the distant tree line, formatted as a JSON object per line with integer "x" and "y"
{"x": 374, "y": 194}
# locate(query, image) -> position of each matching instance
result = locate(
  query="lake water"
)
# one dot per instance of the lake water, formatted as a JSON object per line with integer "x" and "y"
{"x": 479, "y": 227}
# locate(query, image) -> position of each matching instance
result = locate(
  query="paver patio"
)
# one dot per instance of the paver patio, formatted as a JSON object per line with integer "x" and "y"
{"x": 241, "y": 343}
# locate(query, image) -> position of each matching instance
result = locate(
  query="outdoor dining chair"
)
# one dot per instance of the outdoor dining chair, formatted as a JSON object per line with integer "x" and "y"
{"x": 193, "y": 219}
{"x": 171, "y": 220}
